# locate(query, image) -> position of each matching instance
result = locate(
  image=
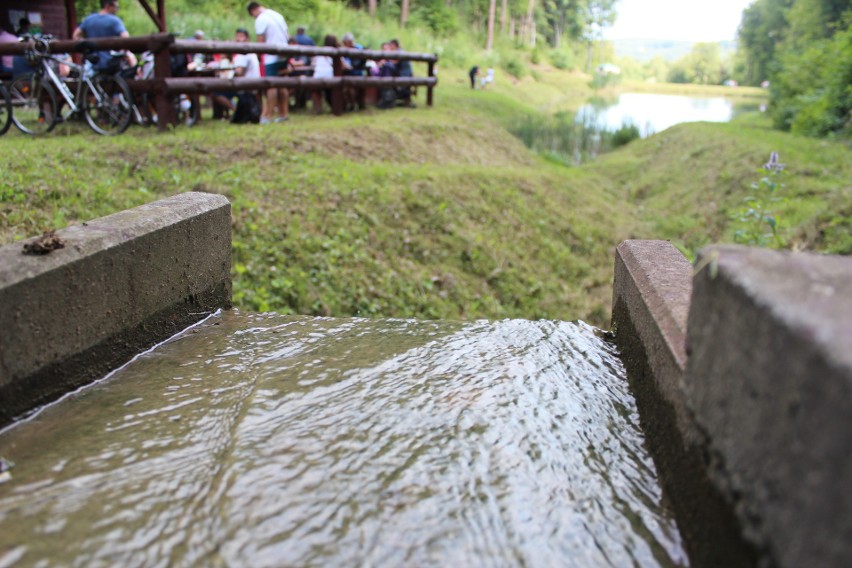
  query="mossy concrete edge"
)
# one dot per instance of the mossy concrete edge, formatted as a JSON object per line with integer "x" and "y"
{"x": 651, "y": 298}
{"x": 121, "y": 284}
{"x": 742, "y": 372}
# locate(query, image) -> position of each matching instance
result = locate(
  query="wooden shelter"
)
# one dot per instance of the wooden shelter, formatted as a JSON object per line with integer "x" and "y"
{"x": 59, "y": 18}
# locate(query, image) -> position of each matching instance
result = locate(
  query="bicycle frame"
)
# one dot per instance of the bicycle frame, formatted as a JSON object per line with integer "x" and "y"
{"x": 62, "y": 85}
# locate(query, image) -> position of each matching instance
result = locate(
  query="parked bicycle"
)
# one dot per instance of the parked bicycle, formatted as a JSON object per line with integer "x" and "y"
{"x": 5, "y": 110}
{"x": 103, "y": 98}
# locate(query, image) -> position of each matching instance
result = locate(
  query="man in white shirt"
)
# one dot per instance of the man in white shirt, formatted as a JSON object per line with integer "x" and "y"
{"x": 270, "y": 27}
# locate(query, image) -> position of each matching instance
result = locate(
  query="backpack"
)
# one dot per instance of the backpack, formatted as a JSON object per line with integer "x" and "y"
{"x": 248, "y": 109}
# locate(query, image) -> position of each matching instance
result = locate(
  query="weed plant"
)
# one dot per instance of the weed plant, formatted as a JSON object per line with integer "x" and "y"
{"x": 757, "y": 219}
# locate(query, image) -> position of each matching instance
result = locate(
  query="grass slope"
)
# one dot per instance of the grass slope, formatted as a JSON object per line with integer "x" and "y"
{"x": 433, "y": 213}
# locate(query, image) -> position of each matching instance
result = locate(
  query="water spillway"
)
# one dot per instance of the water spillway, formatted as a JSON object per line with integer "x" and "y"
{"x": 268, "y": 440}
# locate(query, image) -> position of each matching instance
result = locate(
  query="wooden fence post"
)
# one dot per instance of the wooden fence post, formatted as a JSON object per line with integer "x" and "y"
{"x": 337, "y": 90}
{"x": 162, "y": 101}
{"x": 429, "y": 88}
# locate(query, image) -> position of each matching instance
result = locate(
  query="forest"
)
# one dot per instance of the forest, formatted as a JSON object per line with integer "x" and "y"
{"x": 804, "y": 49}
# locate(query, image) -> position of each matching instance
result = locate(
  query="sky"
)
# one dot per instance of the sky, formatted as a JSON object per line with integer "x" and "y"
{"x": 685, "y": 20}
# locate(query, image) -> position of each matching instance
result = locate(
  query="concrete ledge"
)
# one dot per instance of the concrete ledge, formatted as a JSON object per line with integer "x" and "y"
{"x": 121, "y": 284}
{"x": 653, "y": 283}
{"x": 769, "y": 378}
{"x": 651, "y": 296}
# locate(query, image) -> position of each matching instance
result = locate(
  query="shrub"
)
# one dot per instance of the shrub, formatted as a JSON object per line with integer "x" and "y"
{"x": 624, "y": 135}
{"x": 515, "y": 67}
{"x": 437, "y": 17}
{"x": 562, "y": 59}
{"x": 535, "y": 57}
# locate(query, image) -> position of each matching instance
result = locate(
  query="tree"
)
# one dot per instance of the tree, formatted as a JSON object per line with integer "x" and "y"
{"x": 403, "y": 13}
{"x": 492, "y": 10}
{"x": 703, "y": 65}
{"x": 812, "y": 90}
{"x": 762, "y": 29}
{"x": 815, "y": 19}
{"x": 804, "y": 48}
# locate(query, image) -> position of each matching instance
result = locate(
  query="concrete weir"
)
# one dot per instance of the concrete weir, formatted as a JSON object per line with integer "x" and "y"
{"x": 741, "y": 367}
{"x": 747, "y": 400}
{"x": 119, "y": 285}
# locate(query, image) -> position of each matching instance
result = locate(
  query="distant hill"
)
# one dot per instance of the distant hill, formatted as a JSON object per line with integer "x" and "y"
{"x": 670, "y": 50}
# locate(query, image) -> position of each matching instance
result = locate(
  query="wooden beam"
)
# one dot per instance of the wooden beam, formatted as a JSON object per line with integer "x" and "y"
{"x": 192, "y": 46}
{"x": 157, "y": 19}
{"x": 161, "y": 11}
{"x": 206, "y": 85}
{"x": 71, "y": 17}
{"x": 153, "y": 42}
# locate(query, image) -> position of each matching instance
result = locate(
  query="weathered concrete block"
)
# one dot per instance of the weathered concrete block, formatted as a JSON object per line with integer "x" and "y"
{"x": 121, "y": 284}
{"x": 651, "y": 296}
{"x": 770, "y": 380}
{"x": 652, "y": 286}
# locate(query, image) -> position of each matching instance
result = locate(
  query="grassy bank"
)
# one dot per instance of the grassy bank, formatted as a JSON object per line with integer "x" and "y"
{"x": 435, "y": 213}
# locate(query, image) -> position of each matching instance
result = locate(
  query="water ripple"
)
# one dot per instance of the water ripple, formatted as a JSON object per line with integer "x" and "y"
{"x": 267, "y": 440}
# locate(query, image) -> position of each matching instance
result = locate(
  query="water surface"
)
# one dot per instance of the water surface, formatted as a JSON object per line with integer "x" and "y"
{"x": 265, "y": 440}
{"x": 654, "y": 113}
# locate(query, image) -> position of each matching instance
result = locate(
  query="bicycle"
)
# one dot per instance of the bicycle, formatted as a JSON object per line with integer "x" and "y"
{"x": 5, "y": 110}
{"x": 103, "y": 98}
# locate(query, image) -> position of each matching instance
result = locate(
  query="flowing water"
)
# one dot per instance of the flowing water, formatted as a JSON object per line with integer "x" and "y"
{"x": 266, "y": 440}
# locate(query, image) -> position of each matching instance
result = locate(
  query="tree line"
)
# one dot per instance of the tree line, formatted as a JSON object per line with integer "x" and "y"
{"x": 803, "y": 49}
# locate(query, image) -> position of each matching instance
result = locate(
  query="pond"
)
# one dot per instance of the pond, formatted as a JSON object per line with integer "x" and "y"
{"x": 602, "y": 124}
{"x": 654, "y": 113}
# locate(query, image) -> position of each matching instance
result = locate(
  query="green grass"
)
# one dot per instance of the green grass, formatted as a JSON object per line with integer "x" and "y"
{"x": 432, "y": 213}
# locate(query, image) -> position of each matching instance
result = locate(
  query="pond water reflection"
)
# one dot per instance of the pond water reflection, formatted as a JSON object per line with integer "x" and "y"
{"x": 654, "y": 113}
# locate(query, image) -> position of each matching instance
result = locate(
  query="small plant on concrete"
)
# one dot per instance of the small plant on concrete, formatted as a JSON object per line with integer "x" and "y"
{"x": 759, "y": 222}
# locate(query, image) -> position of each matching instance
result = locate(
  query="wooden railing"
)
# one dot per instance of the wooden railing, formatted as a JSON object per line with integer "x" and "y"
{"x": 163, "y": 86}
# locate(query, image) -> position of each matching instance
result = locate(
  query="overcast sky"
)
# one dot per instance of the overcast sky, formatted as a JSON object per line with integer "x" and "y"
{"x": 688, "y": 20}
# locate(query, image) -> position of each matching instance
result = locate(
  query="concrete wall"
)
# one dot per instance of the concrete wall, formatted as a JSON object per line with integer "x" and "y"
{"x": 760, "y": 412}
{"x": 121, "y": 284}
{"x": 651, "y": 292}
{"x": 769, "y": 378}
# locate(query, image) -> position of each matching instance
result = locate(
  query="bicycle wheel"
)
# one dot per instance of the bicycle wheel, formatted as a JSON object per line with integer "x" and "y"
{"x": 108, "y": 105}
{"x": 5, "y": 110}
{"x": 34, "y": 109}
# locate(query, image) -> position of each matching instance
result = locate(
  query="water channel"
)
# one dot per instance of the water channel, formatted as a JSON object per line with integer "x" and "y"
{"x": 268, "y": 440}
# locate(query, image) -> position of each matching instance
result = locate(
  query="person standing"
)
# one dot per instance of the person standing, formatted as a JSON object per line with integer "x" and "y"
{"x": 473, "y": 74}
{"x": 270, "y": 27}
{"x": 105, "y": 23}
